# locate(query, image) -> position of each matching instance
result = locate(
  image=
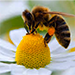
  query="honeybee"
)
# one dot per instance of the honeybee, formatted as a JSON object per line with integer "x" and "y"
{"x": 53, "y": 22}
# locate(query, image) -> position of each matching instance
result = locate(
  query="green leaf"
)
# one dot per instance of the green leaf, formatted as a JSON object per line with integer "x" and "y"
{"x": 11, "y": 23}
{"x": 7, "y": 73}
{"x": 62, "y": 6}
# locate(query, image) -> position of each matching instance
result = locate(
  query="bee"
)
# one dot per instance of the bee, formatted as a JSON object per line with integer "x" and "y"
{"x": 42, "y": 18}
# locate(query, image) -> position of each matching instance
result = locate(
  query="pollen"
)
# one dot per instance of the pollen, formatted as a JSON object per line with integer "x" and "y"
{"x": 51, "y": 31}
{"x": 32, "y": 53}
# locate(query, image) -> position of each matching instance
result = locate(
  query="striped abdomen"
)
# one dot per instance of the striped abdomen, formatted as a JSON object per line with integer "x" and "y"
{"x": 62, "y": 32}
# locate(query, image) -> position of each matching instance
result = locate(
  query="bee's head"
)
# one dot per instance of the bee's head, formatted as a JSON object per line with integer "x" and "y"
{"x": 27, "y": 15}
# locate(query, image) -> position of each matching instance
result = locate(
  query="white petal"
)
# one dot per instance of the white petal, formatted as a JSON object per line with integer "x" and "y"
{"x": 53, "y": 45}
{"x": 4, "y": 68}
{"x": 17, "y": 69}
{"x": 60, "y": 65}
{"x": 16, "y": 35}
{"x": 7, "y": 52}
{"x": 70, "y": 71}
{"x": 6, "y": 58}
{"x": 72, "y": 58}
{"x": 31, "y": 72}
{"x": 63, "y": 55}
{"x": 63, "y": 50}
{"x": 43, "y": 71}
{"x": 56, "y": 48}
{"x": 7, "y": 45}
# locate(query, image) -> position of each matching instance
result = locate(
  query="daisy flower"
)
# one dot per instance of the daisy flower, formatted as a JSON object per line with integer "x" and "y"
{"x": 29, "y": 56}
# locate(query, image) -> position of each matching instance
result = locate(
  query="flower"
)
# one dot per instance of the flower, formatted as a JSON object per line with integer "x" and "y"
{"x": 61, "y": 59}
{"x": 32, "y": 52}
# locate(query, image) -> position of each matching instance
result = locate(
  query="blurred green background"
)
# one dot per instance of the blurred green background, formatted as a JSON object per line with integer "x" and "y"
{"x": 11, "y": 11}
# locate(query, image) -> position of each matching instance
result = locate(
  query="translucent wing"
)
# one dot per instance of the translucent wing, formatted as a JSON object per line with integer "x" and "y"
{"x": 59, "y": 13}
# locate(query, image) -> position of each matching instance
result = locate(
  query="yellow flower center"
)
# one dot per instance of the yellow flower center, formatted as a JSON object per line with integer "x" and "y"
{"x": 32, "y": 53}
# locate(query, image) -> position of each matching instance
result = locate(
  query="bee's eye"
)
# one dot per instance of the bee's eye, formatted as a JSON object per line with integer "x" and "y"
{"x": 29, "y": 16}
{"x": 40, "y": 11}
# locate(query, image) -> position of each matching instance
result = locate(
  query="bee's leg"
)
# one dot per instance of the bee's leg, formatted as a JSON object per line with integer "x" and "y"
{"x": 25, "y": 26}
{"x": 51, "y": 30}
{"x": 47, "y": 38}
{"x": 29, "y": 25}
{"x": 36, "y": 31}
{"x": 49, "y": 35}
{"x": 35, "y": 27}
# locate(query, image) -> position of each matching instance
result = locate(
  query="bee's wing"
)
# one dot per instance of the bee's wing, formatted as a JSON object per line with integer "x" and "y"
{"x": 62, "y": 32}
{"x": 59, "y": 13}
